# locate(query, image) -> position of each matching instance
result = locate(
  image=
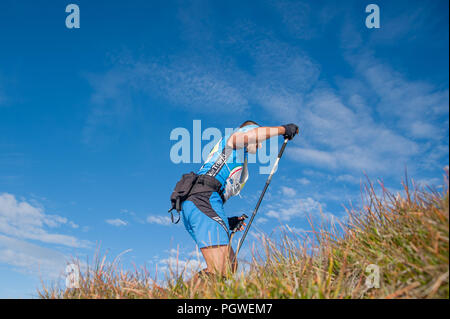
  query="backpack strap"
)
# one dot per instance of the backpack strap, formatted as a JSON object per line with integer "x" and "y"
{"x": 220, "y": 161}
{"x": 177, "y": 207}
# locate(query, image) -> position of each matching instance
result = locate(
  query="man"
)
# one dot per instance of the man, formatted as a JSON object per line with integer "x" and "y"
{"x": 225, "y": 172}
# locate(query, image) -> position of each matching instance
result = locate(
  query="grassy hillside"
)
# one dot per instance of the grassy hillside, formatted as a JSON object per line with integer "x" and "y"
{"x": 406, "y": 237}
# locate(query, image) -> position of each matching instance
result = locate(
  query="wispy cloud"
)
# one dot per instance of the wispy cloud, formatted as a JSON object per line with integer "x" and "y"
{"x": 288, "y": 191}
{"x": 117, "y": 222}
{"x": 305, "y": 20}
{"x": 32, "y": 259}
{"x": 286, "y": 209}
{"x": 204, "y": 83}
{"x": 303, "y": 181}
{"x": 429, "y": 182}
{"x": 183, "y": 82}
{"x": 347, "y": 178}
{"x": 297, "y": 17}
{"x": 179, "y": 261}
{"x": 23, "y": 220}
{"x": 407, "y": 23}
{"x": 160, "y": 220}
{"x": 178, "y": 265}
{"x": 376, "y": 121}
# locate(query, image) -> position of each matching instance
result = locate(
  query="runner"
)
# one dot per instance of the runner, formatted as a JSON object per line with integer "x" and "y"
{"x": 222, "y": 176}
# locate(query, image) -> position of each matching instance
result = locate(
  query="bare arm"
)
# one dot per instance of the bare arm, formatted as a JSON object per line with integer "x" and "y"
{"x": 259, "y": 134}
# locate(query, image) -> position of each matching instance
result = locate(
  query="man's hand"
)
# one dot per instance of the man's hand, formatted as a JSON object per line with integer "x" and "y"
{"x": 290, "y": 130}
{"x": 234, "y": 222}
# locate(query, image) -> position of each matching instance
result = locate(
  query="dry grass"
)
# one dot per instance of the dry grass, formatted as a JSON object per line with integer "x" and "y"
{"x": 406, "y": 237}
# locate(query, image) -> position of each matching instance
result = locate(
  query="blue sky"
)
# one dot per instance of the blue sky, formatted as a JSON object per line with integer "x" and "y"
{"x": 86, "y": 115}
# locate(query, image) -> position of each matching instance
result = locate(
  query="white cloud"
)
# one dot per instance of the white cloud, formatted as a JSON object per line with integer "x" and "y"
{"x": 303, "y": 22}
{"x": 179, "y": 262}
{"x": 294, "y": 230}
{"x": 73, "y": 225}
{"x": 288, "y": 191}
{"x": 348, "y": 179}
{"x": 344, "y": 135}
{"x": 183, "y": 82}
{"x": 337, "y": 136}
{"x": 191, "y": 85}
{"x": 175, "y": 264}
{"x": 407, "y": 24}
{"x": 341, "y": 129}
{"x": 204, "y": 83}
{"x": 23, "y": 220}
{"x": 117, "y": 222}
{"x": 429, "y": 182}
{"x": 32, "y": 259}
{"x": 297, "y": 17}
{"x": 378, "y": 121}
{"x": 261, "y": 220}
{"x": 160, "y": 220}
{"x": 303, "y": 181}
{"x": 290, "y": 208}
{"x": 414, "y": 106}
{"x": 317, "y": 157}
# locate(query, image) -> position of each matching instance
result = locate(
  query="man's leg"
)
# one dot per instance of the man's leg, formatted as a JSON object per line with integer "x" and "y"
{"x": 218, "y": 259}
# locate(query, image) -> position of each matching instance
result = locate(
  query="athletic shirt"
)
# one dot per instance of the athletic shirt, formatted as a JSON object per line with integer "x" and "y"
{"x": 233, "y": 174}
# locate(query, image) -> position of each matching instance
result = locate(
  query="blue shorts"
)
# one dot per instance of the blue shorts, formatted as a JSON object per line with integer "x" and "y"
{"x": 205, "y": 220}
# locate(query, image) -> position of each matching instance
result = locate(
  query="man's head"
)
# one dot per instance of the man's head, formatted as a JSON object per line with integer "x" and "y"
{"x": 251, "y": 148}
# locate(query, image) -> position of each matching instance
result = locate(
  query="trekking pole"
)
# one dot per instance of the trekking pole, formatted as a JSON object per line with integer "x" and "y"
{"x": 241, "y": 241}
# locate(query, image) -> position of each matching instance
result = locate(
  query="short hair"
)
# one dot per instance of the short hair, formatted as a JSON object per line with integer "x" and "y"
{"x": 249, "y": 123}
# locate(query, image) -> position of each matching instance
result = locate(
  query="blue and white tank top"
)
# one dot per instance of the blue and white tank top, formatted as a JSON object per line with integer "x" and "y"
{"x": 228, "y": 165}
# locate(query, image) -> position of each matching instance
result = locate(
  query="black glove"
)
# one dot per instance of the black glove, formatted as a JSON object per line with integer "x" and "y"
{"x": 290, "y": 131}
{"x": 233, "y": 221}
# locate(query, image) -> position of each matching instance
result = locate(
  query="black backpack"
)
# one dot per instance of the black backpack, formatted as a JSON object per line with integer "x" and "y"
{"x": 181, "y": 193}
